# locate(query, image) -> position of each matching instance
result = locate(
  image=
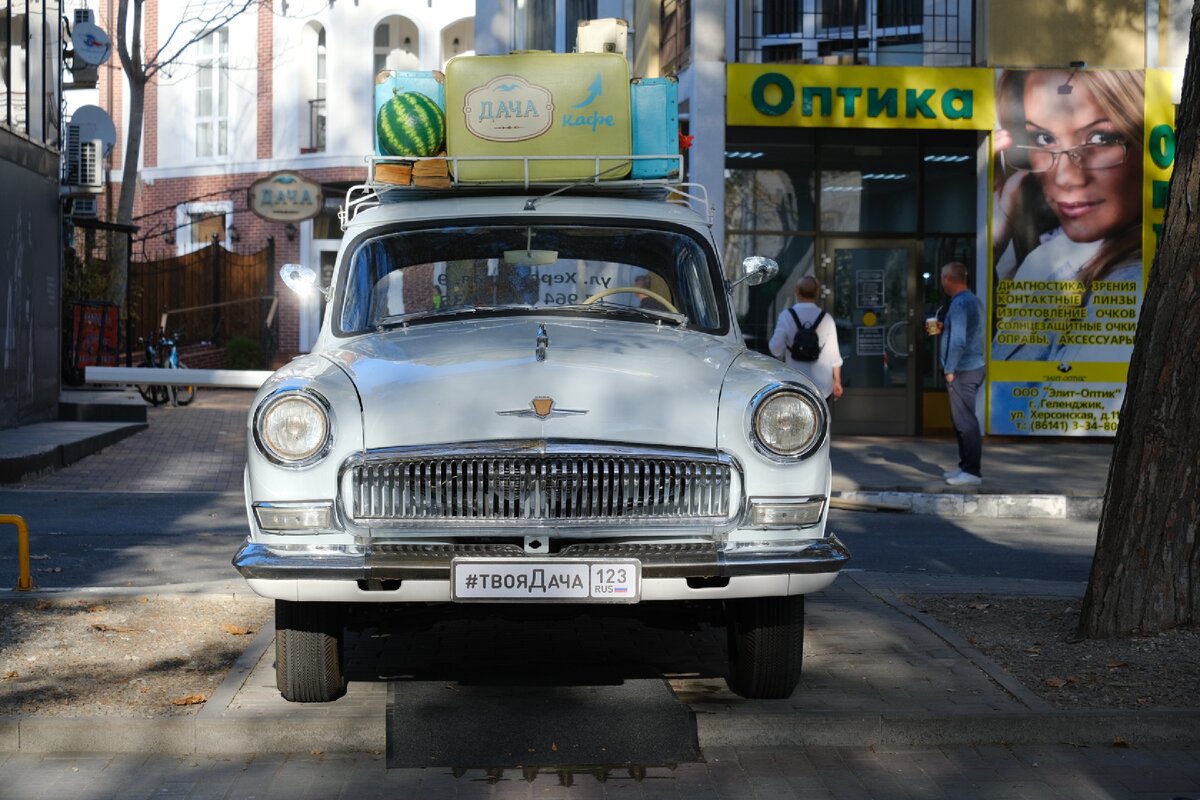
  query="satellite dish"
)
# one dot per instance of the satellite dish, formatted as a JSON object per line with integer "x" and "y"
{"x": 95, "y": 123}
{"x": 92, "y": 45}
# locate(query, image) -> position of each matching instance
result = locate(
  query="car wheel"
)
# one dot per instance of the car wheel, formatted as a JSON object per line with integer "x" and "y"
{"x": 308, "y": 651}
{"x": 766, "y": 646}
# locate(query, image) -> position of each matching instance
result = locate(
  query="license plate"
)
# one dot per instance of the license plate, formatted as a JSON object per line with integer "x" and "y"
{"x": 564, "y": 580}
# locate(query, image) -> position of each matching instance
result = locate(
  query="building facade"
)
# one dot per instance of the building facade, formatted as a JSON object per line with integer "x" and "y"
{"x": 855, "y": 140}
{"x": 30, "y": 211}
{"x": 286, "y": 86}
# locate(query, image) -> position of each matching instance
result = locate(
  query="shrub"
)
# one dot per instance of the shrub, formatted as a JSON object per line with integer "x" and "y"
{"x": 242, "y": 352}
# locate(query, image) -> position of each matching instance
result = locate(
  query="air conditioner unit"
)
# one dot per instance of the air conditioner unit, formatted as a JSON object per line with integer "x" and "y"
{"x": 602, "y": 36}
{"x": 85, "y": 168}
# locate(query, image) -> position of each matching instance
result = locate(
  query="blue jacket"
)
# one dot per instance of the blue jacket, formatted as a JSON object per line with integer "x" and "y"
{"x": 962, "y": 337}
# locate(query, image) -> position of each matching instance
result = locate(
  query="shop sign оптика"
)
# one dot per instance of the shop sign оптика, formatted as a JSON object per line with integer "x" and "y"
{"x": 1076, "y": 209}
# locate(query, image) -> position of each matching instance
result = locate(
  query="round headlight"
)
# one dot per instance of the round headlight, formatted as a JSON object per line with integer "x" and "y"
{"x": 788, "y": 423}
{"x": 293, "y": 429}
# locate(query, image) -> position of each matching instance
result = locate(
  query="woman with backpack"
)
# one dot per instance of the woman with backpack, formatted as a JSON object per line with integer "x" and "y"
{"x": 805, "y": 338}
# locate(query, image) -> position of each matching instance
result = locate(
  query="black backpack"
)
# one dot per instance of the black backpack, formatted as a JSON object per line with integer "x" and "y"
{"x": 806, "y": 346}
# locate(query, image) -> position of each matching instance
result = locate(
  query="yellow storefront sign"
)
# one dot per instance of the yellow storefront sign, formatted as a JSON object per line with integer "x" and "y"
{"x": 819, "y": 96}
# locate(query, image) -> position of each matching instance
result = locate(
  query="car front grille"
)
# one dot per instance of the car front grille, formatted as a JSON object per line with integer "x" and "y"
{"x": 582, "y": 489}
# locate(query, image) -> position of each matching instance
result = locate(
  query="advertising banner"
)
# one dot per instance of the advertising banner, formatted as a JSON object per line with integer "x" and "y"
{"x": 1081, "y": 164}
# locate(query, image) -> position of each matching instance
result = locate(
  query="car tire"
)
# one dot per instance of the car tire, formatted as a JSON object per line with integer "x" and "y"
{"x": 308, "y": 651}
{"x": 766, "y": 646}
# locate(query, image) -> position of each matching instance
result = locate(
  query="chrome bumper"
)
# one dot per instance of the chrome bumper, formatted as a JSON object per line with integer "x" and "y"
{"x": 432, "y": 562}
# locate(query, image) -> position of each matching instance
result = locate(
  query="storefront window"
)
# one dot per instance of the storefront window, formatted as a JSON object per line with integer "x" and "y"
{"x": 768, "y": 200}
{"x": 949, "y": 189}
{"x": 757, "y": 307}
{"x": 938, "y": 251}
{"x": 868, "y": 189}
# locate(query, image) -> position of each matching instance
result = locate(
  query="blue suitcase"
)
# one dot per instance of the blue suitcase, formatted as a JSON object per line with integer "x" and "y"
{"x": 654, "y": 103}
{"x": 430, "y": 83}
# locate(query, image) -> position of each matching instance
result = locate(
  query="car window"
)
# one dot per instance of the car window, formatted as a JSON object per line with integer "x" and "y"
{"x": 425, "y": 273}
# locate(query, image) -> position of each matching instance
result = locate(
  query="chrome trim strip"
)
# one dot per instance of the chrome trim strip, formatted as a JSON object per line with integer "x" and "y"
{"x": 432, "y": 562}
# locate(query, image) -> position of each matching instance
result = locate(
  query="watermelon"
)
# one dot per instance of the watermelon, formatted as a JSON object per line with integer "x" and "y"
{"x": 410, "y": 124}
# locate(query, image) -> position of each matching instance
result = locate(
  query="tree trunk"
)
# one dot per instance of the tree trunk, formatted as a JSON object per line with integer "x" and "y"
{"x": 119, "y": 266}
{"x": 1146, "y": 573}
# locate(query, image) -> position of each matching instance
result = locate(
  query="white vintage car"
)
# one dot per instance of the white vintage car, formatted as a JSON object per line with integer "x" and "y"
{"x": 536, "y": 397}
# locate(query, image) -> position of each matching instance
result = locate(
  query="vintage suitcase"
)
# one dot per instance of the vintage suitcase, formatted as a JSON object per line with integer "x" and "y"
{"x": 538, "y": 104}
{"x": 389, "y": 83}
{"x": 654, "y": 104}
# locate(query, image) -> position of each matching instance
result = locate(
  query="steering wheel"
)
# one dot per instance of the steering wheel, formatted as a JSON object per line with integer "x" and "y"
{"x": 667, "y": 304}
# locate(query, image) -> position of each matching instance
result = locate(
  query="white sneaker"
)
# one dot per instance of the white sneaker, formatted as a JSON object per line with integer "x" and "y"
{"x": 951, "y": 473}
{"x": 964, "y": 479}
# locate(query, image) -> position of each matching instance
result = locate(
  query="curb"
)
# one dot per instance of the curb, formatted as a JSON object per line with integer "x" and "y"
{"x": 997, "y": 506}
{"x": 40, "y": 459}
{"x": 797, "y": 728}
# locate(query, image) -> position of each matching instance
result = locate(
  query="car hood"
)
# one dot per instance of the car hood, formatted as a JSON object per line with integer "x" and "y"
{"x": 609, "y": 380}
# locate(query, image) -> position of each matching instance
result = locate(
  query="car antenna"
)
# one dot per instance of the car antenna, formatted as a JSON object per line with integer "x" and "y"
{"x": 531, "y": 203}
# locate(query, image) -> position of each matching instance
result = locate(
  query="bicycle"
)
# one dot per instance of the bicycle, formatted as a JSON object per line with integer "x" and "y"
{"x": 161, "y": 353}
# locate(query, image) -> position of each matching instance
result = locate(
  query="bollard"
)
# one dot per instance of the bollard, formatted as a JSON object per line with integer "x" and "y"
{"x": 24, "y": 580}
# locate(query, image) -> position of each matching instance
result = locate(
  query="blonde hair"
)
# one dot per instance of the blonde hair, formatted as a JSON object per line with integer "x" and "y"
{"x": 1121, "y": 95}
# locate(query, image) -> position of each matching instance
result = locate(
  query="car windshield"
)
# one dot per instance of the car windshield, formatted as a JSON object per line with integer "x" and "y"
{"x": 427, "y": 274}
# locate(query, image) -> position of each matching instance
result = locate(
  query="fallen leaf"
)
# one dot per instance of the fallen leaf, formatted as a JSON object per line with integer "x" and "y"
{"x": 188, "y": 700}
{"x": 43, "y": 605}
{"x": 1055, "y": 683}
{"x": 1121, "y": 742}
{"x": 236, "y": 630}
{"x": 100, "y": 626}
{"x": 97, "y": 609}
{"x": 1117, "y": 664}
{"x": 8, "y": 676}
{"x": 1037, "y": 651}
{"x": 316, "y": 752}
{"x": 554, "y": 747}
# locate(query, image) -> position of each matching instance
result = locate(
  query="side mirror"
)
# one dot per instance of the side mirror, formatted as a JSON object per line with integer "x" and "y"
{"x": 301, "y": 279}
{"x": 756, "y": 270}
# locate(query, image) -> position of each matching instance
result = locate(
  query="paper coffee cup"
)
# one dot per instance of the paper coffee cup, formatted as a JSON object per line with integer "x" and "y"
{"x": 932, "y": 326}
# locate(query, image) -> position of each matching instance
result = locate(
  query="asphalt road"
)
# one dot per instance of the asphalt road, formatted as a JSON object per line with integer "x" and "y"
{"x": 148, "y": 538}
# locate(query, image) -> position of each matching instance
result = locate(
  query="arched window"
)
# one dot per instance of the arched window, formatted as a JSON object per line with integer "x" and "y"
{"x": 458, "y": 39}
{"x": 397, "y": 45}
{"x": 312, "y": 89}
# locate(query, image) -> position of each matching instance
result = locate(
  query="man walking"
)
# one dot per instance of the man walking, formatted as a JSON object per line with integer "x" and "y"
{"x": 961, "y": 349}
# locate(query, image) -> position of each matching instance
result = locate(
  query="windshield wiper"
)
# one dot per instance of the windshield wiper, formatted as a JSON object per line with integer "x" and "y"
{"x": 620, "y": 308}
{"x": 422, "y": 316}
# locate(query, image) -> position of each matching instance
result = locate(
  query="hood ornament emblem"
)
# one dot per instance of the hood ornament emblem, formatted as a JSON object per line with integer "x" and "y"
{"x": 543, "y": 342}
{"x": 542, "y": 408}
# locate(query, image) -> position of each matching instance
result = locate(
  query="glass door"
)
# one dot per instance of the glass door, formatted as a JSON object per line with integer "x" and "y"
{"x": 870, "y": 288}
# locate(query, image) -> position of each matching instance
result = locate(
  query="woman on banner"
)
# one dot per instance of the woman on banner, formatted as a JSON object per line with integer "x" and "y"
{"x": 1067, "y": 216}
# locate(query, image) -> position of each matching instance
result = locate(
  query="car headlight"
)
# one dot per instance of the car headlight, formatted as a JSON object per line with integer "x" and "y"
{"x": 293, "y": 429}
{"x": 787, "y": 421}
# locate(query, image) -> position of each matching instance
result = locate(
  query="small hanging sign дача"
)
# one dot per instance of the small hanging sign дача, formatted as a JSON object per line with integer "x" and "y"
{"x": 285, "y": 197}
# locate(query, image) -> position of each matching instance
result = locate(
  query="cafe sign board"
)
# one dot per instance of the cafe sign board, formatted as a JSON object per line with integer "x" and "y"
{"x": 285, "y": 197}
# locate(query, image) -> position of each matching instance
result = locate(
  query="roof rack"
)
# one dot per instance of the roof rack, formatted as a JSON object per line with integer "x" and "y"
{"x": 398, "y": 179}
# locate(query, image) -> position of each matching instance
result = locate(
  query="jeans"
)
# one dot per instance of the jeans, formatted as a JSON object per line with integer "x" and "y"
{"x": 962, "y": 391}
